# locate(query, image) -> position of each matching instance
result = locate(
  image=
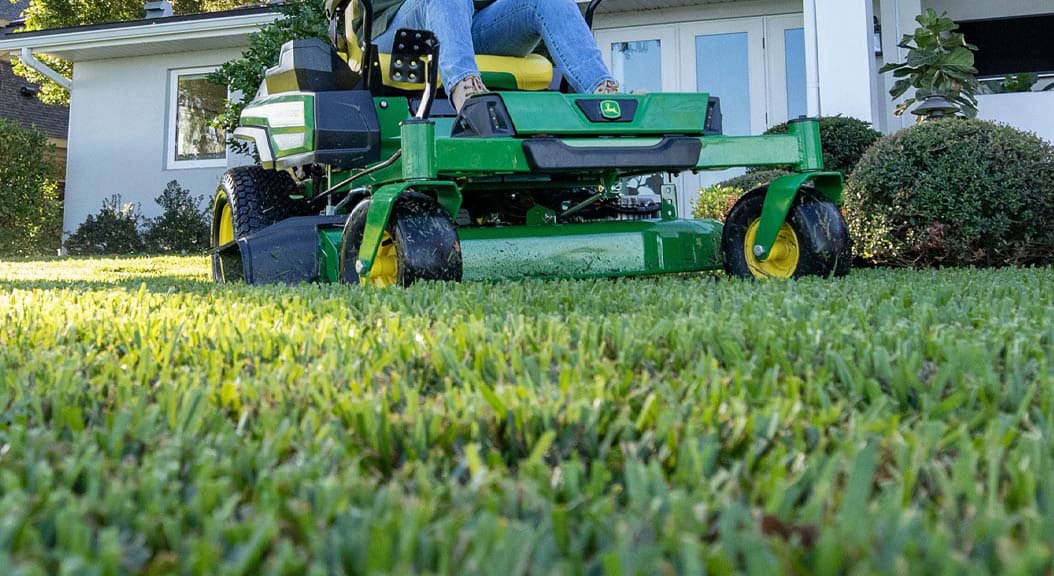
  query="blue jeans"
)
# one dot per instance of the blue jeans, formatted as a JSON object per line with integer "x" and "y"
{"x": 505, "y": 28}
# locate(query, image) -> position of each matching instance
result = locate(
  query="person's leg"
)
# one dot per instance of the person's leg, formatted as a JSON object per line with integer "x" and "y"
{"x": 451, "y": 22}
{"x": 514, "y": 28}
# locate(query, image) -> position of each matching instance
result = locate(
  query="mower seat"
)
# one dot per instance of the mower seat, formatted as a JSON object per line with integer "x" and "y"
{"x": 531, "y": 74}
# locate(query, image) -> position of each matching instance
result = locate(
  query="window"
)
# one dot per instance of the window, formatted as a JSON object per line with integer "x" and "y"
{"x": 1012, "y": 45}
{"x": 637, "y": 66}
{"x": 193, "y": 102}
{"x": 794, "y": 45}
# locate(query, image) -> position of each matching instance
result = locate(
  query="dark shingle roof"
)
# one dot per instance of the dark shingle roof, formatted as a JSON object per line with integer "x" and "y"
{"x": 23, "y": 107}
{"x": 12, "y": 12}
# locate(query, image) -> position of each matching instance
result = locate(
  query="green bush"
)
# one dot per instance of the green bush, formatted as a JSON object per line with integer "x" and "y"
{"x": 30, "y": 209}
{"x": 844, "y": 141}
{"x": 954, "y": 192}
{"x": 114, "y": 230}
{"x": 752, "y": 180}
{"x": 715, "y": 201}
{"x": 183, "y": 226}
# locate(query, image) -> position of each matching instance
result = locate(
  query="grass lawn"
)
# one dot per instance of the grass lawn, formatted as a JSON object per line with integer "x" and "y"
{"x": 891, "y": 422}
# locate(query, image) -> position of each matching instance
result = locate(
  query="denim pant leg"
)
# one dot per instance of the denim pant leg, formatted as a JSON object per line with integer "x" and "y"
{"x": 514, "y": 28}
{"x": 451, "y": 22}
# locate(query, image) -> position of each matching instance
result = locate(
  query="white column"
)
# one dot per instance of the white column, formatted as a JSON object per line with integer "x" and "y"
{"x": 898, "y": 19}
{"x": 845, "y": 76}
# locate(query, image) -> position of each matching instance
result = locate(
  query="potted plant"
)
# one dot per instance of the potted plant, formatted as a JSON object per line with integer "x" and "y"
{"x": 939, "y": 66}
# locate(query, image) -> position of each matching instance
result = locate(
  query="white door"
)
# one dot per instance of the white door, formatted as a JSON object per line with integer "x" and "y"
{"x": 785, "y": 53}
{"x": 725, "y": 58}
{"x": 755, "y": 65}
{"x": 642, "y": 59}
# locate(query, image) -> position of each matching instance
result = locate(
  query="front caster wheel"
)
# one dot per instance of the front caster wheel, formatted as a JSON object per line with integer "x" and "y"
{"x": 814, "y": 241}
{"x": 420, "y": 243}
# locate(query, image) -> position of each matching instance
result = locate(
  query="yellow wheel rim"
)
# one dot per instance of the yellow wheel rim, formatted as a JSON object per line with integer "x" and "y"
{"x": 385, "y": 269}
{"x": 225, "y": 234}
{"x": 782, "y": 260}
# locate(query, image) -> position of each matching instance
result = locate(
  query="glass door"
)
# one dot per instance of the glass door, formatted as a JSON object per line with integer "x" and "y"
{"x": 642, "y": 59}
{"x": 785, "y": 47}
{"x": 725, "y": 58}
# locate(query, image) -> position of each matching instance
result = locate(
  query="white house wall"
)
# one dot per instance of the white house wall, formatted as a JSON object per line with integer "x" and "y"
{"x": 119, "y": 131}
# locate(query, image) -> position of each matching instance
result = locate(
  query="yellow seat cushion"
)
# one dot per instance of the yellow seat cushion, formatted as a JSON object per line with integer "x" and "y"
{"x": 532, "y": 74}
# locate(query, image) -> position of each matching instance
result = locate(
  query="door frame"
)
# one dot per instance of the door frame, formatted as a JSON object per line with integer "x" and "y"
{"x": 666, "y": 34}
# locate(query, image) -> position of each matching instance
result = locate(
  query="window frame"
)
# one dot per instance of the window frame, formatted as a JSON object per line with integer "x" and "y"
{"x": 172, "y": 110}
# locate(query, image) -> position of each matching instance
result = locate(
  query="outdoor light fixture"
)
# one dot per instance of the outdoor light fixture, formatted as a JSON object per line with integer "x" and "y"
{"x": 934, "y": 107}
{"x": 29, "y": 91}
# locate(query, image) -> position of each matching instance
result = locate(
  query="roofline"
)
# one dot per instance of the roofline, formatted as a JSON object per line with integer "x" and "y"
{"x": 184, "y": 28}
{"x": 150, "y": 21}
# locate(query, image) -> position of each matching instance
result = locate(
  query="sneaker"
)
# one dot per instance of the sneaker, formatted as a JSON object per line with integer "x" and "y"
{"x": 607, "y": 87}
{"x": 466, "y": 89}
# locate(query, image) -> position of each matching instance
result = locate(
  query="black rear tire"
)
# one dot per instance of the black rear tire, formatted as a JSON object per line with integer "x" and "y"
{"x": 421, "y": 238}
{"x": 819, "y": 231}
{"x": 256, "y": 198}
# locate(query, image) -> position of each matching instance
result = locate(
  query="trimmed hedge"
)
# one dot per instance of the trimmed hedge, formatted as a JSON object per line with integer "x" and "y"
{"x": 954, "y": 192}
{"x": 844, "y": 141}
{"x": 752, "y": 180}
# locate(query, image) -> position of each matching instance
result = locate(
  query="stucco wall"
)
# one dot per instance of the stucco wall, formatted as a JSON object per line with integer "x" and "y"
{"x": 1028, "y": 111}
{"x": 118, "y": 132}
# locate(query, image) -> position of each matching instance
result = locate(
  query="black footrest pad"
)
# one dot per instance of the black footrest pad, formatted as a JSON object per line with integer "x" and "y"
{"x": 672, "y": 154}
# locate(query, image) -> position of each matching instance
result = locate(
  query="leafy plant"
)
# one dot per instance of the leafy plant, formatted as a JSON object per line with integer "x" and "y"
{"x": 114, "y": 230}
{"x": 962, "y": 192}
{"x": 197, "y": 6}
{"x": 183, "y": 226}
{"x": 715, "y": 201}
{"x": 30, "y": 209}
{"x": 939, "y": 63}
{"x": 1019, "y": 83}
{"x": 300, "y": 19}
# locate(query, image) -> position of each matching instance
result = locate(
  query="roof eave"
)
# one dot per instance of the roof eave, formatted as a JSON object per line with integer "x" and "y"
{"x": 140, "y": 39}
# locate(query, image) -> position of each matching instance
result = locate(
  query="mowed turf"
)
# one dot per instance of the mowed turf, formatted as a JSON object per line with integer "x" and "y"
{"x": 891, "y": 422}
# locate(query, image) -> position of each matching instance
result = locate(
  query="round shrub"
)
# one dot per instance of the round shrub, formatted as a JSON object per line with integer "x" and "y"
{"x": 844, "y": 141}
{"x": 752, "y": 180}
{"x": 954, "y": 192}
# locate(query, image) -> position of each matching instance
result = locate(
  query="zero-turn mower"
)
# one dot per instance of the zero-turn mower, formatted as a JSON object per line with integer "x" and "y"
{"x": 367, "y": 176}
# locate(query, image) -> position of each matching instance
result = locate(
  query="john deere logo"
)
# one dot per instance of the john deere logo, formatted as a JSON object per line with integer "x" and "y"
{"x": 610, "y": 109}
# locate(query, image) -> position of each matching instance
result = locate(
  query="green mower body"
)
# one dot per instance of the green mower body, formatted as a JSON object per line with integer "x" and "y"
{"x": 374, "y": 185}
